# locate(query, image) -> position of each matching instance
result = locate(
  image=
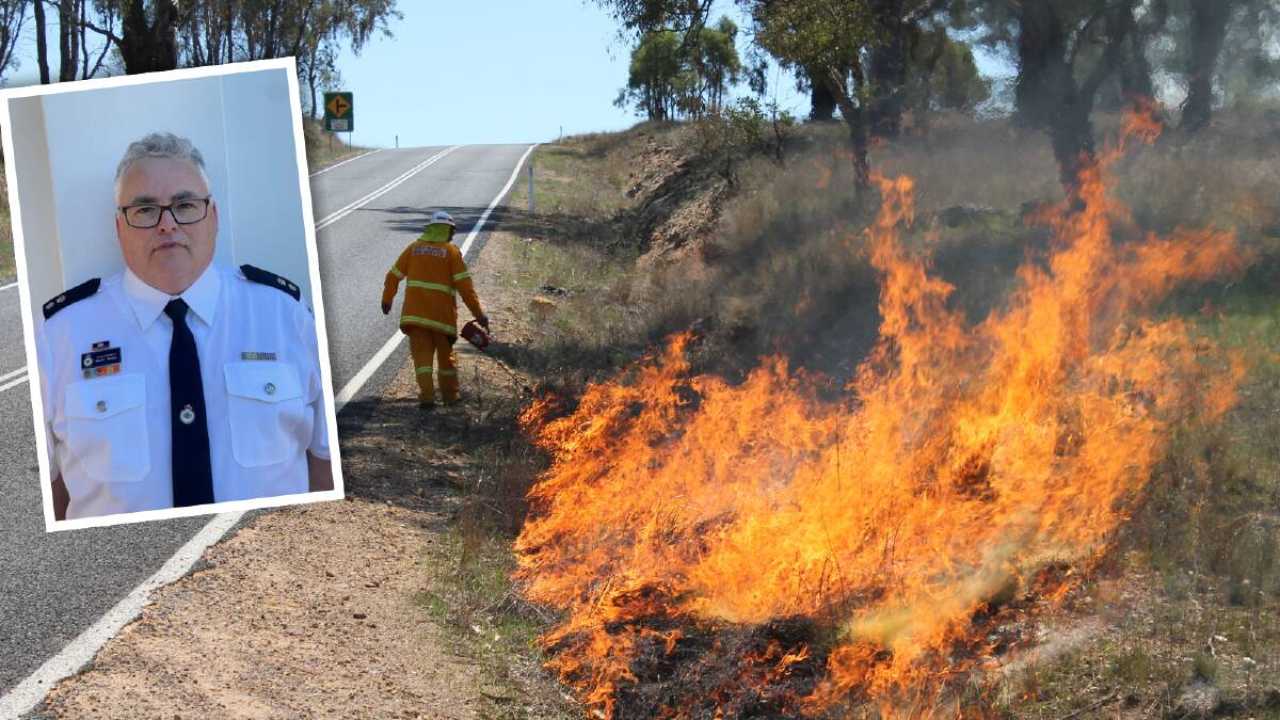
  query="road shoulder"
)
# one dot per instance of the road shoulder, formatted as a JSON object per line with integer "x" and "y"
{"x": 327, "y": 609}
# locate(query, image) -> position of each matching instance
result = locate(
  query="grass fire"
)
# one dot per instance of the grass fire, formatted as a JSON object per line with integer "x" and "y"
{"x": 769, "y": 547}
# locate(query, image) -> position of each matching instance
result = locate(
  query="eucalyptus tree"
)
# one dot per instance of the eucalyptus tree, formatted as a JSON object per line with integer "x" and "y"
{"x": 672, "y": 76}
{"x": 13, "y": 14}
{"x": 1065, "y": 51}
{"x": 827, "y": 40}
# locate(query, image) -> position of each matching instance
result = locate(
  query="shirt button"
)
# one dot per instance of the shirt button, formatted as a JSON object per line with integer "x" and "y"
{"x": 102, "y": 406}
{"x": 270, "y": 389}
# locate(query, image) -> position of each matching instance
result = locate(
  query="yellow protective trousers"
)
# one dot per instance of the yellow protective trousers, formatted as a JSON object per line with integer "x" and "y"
{"x": 428, "y": 345}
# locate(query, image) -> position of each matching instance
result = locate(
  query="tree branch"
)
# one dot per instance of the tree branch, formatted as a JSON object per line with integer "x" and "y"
{"x": 105, "y": 32}
{"x": 1080, "y": 35}
{"x": 926, "y": 9}
{"x": 1116, "y": 34}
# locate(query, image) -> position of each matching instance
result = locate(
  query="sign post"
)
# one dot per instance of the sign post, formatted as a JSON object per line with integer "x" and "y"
{"x": 339, "y": 113}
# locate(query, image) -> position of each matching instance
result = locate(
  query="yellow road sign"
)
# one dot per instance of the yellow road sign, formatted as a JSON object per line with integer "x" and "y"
{"x": 338, "y": 106}
{"x": 339, "y": 111}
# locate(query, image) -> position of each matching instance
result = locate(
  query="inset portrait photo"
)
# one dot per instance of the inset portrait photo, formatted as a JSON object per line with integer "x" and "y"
{"x": 171, "y": 303}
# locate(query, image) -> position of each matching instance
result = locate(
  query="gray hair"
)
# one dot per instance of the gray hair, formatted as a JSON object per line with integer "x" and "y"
{"x": 160, "y": 145}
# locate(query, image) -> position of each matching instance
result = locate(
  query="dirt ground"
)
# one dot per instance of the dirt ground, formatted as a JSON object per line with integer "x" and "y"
{"x": 317, "y": 610}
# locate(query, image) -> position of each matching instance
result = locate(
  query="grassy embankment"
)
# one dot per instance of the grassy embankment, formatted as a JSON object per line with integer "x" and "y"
{"x": 1189, "y": 603}
{"x": 325, "y": 148}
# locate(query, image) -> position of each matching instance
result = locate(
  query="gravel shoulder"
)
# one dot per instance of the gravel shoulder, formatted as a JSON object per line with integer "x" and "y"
{"x": 319, "y": 610}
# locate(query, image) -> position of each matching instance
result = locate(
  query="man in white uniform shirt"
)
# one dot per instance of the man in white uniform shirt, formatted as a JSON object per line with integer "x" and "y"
{"x": 177, "y": 382}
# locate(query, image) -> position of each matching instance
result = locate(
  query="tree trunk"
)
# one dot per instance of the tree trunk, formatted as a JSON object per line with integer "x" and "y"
{"x": 1071, "y": 134}
{"x": 887, "y": 69}
{"x": 840, "y": 89}
{"x": 149, "y": 46}
{"x": 84, "y": 40}
{"x": 1042, "y": 64}
{"x": 1208, "y": 30}
{"x": 1048, "y": 93}
{"x": 231, "y": 29}
{"x": 42, "y": 47}
{"x": 68, "y": 45}
{"x": 312, "y": 79}
{"x": 1133, "y": 70}
{"x": 822, "y": 104}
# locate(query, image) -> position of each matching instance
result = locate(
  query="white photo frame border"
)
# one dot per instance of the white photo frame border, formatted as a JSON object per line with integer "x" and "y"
{"x": 288, "y": 65}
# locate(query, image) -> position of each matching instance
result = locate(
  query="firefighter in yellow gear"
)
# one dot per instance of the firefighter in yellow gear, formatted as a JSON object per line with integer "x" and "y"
{"x": 435, "y": 275}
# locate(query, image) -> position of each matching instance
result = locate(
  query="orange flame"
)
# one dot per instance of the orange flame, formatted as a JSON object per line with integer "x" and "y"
{"x": 966, "y": 460}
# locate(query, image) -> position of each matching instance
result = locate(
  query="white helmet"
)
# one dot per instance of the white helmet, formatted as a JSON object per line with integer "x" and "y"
{"x": 441, "y": 217}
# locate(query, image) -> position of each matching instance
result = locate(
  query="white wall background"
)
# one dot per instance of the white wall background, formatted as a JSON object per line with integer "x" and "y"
{"x": 243, "y": 125}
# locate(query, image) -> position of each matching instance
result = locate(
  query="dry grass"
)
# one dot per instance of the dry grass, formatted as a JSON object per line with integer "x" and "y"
{"x": 784, "y": 273}
{"x": 8, "y": 268}
{"x": 325, "y": 148}
{"x": 960, "y": 162}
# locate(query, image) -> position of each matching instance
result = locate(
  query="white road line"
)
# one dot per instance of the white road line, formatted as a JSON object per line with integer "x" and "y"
{"x": 81, "y": 651}
{"x": 10, "y": 285}
{"x": 335, "y": 217}
{"x": 14, "y": 383}
{"x": 15, "y": 373}
{"x": 344, "y": 162}
{"x": 354, "y": 385}
{"x": 466, "y": 245}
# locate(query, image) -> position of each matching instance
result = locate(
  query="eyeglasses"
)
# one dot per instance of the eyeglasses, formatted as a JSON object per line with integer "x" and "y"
{"x": 184, "y": 212}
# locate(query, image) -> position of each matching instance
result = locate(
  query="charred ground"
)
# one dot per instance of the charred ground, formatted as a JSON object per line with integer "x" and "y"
{"x": 673, "y": 227}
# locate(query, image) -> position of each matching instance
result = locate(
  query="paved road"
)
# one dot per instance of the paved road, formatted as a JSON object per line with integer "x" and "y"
{"x": 53, "y": 586}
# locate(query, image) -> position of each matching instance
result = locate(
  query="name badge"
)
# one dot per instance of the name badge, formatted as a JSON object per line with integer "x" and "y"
{"x": 258, "y": 356}
{"x": 103, "y": 360}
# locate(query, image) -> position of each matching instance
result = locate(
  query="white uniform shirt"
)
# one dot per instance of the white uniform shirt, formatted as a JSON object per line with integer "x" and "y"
{"x": 109, "y": 428}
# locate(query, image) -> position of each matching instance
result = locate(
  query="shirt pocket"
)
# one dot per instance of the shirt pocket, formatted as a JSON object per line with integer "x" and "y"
{"x": 269, "y": 417}
{"x": 107, "y": 437}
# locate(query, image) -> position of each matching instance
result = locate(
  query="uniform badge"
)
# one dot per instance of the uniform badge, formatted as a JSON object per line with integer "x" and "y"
{"x": 102, "y": 360}
{"x": 187, "y": 416}
{"x": 258, "y": 356}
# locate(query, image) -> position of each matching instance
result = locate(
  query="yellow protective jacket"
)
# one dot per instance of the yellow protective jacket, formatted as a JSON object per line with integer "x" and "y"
{"x": 435, "y": 273}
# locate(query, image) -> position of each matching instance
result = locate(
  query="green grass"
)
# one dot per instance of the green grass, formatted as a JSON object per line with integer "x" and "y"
{"x": 473, "y": 597}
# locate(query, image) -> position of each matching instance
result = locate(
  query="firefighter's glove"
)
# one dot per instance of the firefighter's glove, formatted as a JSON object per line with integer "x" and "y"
{"x": 484, "y": 321}
{"x": 386, "y": 308}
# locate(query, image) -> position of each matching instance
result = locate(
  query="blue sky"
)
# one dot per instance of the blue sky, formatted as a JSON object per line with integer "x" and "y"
{"x": 501, "y": 71}
{"x": 495, "y": 71}
{"x": 489, "y": 71}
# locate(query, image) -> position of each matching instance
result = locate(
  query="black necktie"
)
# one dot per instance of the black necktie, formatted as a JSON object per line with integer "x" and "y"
{"x": 192, "y": 476}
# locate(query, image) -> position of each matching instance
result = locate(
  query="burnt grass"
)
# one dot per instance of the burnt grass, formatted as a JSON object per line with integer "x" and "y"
{"x": 738, "y": 671}
{"x": 719, "y": 670}
{"x": 725, "y": 672}
{"x": 718, "y": 673}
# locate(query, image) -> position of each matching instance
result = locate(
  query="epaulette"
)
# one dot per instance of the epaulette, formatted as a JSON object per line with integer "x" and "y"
{"x": 265, "y": 277}
{"x": 70, "y": 297}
